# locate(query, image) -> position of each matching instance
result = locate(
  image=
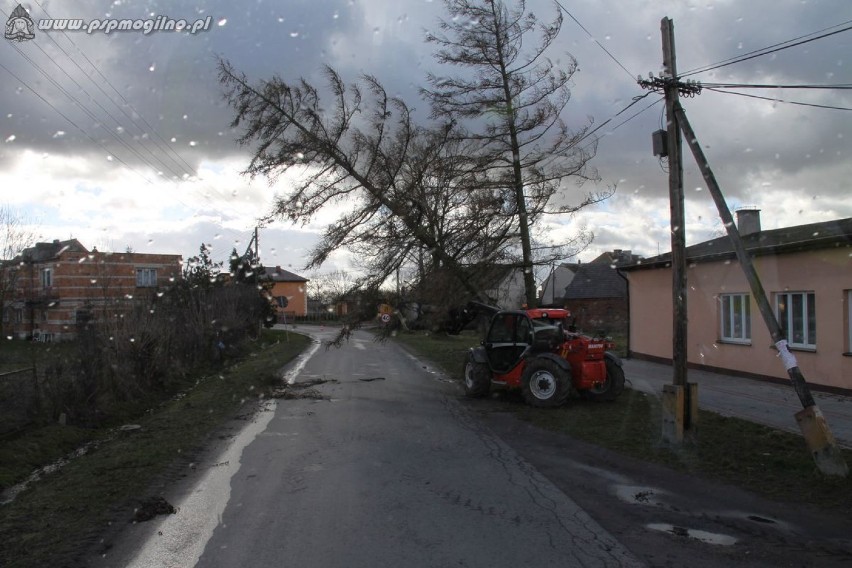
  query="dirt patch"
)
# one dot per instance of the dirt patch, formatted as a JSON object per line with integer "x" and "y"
{"x": 295, "y": 394}
{"x": 301, "y": 390}
{"x": 371, "y": 379}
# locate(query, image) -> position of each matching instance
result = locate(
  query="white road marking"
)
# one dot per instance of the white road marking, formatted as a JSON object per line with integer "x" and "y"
{"x": 178, "y": 541}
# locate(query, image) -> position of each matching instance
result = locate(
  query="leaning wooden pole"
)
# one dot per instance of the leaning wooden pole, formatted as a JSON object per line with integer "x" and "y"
{"x": 814, "y": 427}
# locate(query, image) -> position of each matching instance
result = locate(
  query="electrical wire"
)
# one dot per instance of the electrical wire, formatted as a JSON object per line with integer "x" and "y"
{"x": 841, "y": 87}
{"x": 622, "y": 111}
{"x": 776, "y": 100}
{"x": 772, "y": 48}
{"x": 582, "y": 27}
{"x": 163, "y": 144}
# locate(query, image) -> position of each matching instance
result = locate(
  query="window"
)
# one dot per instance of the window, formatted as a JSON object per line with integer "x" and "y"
{"x": 47, "y": 277}
{"x": 735, "y": 318}
{"x": 796, "y": 313}
{"x": 146, "y": 277}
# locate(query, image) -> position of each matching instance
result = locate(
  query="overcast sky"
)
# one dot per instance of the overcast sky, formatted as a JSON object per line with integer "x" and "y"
{"x": 123, "y": 140}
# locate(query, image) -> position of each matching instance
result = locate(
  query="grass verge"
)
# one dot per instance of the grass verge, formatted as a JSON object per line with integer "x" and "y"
{"x": 763, "y": 460}
{"x": 60, "y": 518}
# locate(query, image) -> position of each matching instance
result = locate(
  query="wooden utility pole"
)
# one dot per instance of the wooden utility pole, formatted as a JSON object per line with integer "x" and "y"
{"x": 680, "y": 404}
{"x": 811, "y": 421}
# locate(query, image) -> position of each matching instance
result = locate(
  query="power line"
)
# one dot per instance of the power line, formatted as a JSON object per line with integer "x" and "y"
{"x": 90, "y": 114}
{"x": 582, "y": 27}
{"x": 830, "y": 107}
{"x": 841, "y": 87}
{"x": 112, "y": 155}
{"x": 622, "y": 111}
{"x": 86, "y": 134}
{"x": 71, "y": 122}
{"x": 772, "y": 48}
{"x": 164, "y": 144}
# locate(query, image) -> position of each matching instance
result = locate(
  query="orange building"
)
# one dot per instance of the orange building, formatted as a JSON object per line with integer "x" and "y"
{"x": 289, "y": 291}
{"x": 54, "y": 286}
{"x": 806, "y": 272}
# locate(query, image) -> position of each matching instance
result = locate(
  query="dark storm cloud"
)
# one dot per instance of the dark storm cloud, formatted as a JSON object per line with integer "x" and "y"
{"x": 167, "y": 78}
{"x": 762, "y": 152}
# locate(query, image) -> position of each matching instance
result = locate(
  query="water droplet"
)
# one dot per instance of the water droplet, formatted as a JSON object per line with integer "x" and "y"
{"x": 192, "y": 142}
{"x": 10, "y": 138}
{"x": 173, "y": 139}
{"x": 153, "y": 67}
{"x": 294, "y": 34}
{"x": 109, "y": 158}
{"x": 59, "y": 134}
{"x": 222, "y": 22}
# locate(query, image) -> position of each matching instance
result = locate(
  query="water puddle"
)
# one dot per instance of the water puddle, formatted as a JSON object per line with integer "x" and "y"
{"x": 768, "y": 522}
{"x": 702, "y": 536}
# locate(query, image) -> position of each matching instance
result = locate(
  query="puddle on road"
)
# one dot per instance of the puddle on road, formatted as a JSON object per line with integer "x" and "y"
{"x": 702, "y": 536}
{"x": 642, "y": 495}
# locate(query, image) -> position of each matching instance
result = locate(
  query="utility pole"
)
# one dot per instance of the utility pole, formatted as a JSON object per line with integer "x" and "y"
{"x": 811, "y": 421}
{"x": 680, "y": 399}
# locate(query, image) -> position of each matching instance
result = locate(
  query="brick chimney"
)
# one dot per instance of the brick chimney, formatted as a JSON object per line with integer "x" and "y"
{"x": 748, "y": 220}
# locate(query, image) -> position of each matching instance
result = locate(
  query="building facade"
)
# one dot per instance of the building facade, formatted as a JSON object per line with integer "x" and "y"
{"x": 288, "y": 290}
{"x": 55, "y": 286}
{"x": 806, "y": 272}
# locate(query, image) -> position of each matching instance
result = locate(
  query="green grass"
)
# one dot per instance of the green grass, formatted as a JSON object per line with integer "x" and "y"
{"x": 17, "y": 354}
{"x": 61, "y": 517}
{"x": 764, "y": 460}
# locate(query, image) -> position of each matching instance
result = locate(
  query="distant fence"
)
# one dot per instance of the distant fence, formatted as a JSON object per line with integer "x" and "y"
{"x": 18, "y": 399}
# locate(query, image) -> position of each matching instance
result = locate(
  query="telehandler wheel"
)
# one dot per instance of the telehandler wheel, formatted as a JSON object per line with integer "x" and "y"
{"x": 545, "y": 383}
{"x": 477, "y": 379}
{"x": 612, "y": 387}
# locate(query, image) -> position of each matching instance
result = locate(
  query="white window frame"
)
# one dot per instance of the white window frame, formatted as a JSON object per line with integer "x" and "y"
{"x": 787, "y": 320}
{"x": 728, "y": 313}
{"x": 46, "y": 277}
{"x": 146, "y": 277}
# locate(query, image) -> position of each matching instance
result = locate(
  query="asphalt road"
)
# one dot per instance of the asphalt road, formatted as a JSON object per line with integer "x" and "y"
{"x": 390, "y": 466}
{"x": 387, "y": 469}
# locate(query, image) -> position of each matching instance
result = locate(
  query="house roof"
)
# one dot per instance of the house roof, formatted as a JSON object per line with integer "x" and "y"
{"x": 596, "y": 280}
{"x": 814, "y": 236}
{"x": 278, "y": 274}
{"x": 618, "y": 257}
{"x": 41, "y": 252}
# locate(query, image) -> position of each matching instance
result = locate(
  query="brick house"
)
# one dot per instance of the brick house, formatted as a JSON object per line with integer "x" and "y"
{"x": 806, "y": 272}
{"x": 597, "y": 295}
{"x": 55, "y": 286}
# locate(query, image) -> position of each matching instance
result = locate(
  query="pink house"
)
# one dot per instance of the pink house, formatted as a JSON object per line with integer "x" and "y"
{"x": 806, "y": 272}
